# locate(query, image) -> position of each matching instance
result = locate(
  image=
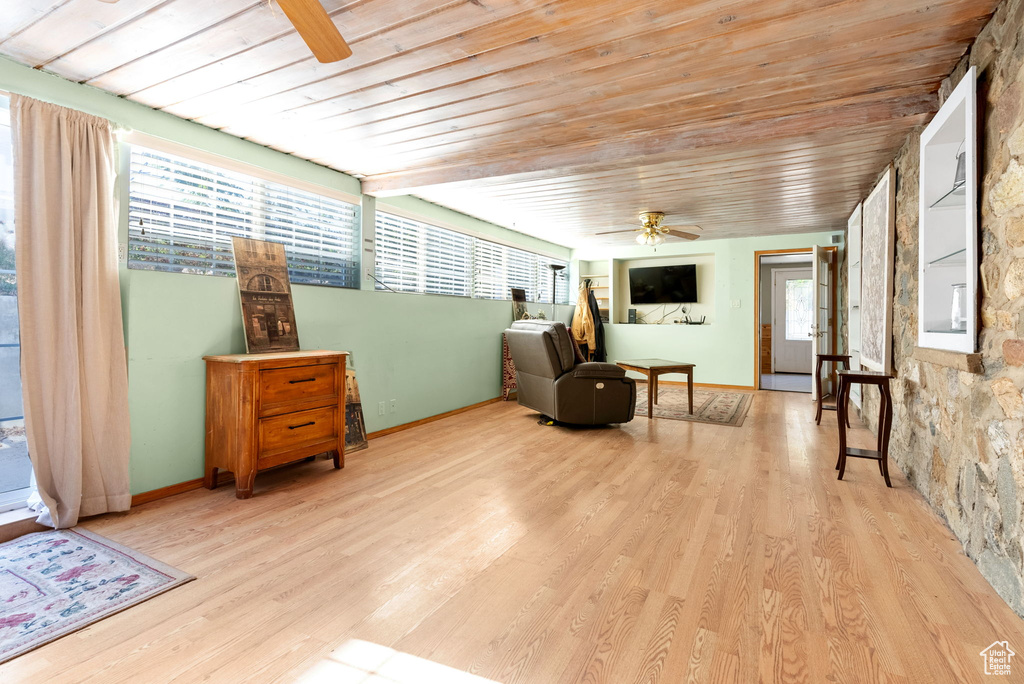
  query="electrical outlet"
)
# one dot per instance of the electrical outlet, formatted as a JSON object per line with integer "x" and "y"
{"x": 735, "y": 303}
{"x": 122, "y": 252}
{"x": 380, "y": 408}
{"x": 394, "y": 405}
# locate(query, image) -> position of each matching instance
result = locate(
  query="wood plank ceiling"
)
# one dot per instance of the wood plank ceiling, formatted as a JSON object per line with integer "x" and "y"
{"x": 559, "y": 118}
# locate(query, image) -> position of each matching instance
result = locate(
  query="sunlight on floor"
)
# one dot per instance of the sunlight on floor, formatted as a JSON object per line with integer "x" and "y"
{"x": 363, "y": 662}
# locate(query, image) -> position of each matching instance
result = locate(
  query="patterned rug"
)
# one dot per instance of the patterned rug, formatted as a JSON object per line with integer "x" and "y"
{"x": 709, "y": 406}
{"x": 57, "y": 582}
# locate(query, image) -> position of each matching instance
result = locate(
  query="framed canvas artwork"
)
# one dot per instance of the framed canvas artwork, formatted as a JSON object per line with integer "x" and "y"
{"x": 519, "y": 304}
{"x": 355, "y": 428}
{"x": 266, "y": 296}
{"x": 876, "y": 275}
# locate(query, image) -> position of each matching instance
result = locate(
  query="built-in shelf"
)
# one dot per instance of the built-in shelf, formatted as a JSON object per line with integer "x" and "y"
{"x": 596, "y": 275}
{"x": 954, "y": 199}
{"x": 957, "y": 258}
{"x": 947, "y": 228}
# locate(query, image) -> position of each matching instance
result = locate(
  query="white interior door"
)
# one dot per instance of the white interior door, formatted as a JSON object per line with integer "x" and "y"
{"x": 792, "y": 320}
{"x": 822, "y": 276}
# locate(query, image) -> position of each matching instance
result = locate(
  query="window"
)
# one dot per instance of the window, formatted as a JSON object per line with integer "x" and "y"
{"x": 799, "y": 312}
{"x": 183, "y": 214}
{"x": 15, "y": 467}
{"x": 418, "y": 257}
{"x": 413, "y": 256}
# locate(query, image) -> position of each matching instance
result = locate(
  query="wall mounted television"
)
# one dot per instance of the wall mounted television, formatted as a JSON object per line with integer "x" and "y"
{"x": 663, "y": 284}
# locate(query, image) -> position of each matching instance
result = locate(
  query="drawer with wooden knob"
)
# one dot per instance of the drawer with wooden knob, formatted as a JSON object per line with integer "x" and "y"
{"x": 265, "y": 410}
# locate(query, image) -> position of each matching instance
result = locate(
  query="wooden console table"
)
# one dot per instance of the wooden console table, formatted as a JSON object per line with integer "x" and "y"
{"x": 846, "y": 379}
{"x": 652, "y": 368}
{"x": 264, "y": 410}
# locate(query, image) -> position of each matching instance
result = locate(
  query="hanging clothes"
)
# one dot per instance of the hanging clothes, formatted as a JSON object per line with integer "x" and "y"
{"x": 600, "y": 353}
{"x": 583, "y": 318}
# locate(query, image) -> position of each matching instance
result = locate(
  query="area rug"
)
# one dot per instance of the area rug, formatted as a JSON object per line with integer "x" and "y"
{"x": 57, "y": 582}
{"x": 709, "y": 406}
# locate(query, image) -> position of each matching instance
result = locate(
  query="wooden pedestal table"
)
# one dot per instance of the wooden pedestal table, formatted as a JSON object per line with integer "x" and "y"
{"x": 652, "y": 368}
{"x": 264, "y": 410}
{"x": 846, "y": 380}
{"x": 833, "y": 359}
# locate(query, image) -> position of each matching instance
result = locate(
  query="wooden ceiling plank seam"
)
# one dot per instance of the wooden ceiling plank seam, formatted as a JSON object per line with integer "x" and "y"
{"x": 794, "y": 148}
{"x": 643, "y": 119}
{"x": 522, "y": 116}
{"x": 707, "y": 182}
{"x": 600, "y": 41}
{"x": 25, "y": 15}
{"x": 353, "y": 37}
{"x": 81, "y": 16}
{"x": 164, "y": 24}
{"x": 342, "y": 70}
{"x": 765, "y": 168}
{"x": 679, "y": 138}
{"x": 914, "y": 29}
{"x": 912, "y": 113}
{"x": 914, "y": 26}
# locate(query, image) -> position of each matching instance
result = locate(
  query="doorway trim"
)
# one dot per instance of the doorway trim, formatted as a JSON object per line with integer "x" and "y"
{"x": 781, "y": 337}
{"x": 833, "y": 270}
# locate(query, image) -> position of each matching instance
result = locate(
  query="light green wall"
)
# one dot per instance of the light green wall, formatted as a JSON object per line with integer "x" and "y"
{"x": 430, "y": 353}
{"x": 723, "y": 350}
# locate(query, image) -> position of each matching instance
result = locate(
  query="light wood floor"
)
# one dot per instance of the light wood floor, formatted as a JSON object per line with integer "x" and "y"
{"x": 656, "y": 552}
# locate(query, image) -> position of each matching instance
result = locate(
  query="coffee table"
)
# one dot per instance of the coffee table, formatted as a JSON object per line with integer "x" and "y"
{"x": 652, "y": 368}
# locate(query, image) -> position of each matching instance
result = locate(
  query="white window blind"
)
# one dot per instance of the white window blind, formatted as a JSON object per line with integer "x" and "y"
{"x": 413, "y": 256}
{"x": 183, "y": 214}
{"x": 417, "y": 257}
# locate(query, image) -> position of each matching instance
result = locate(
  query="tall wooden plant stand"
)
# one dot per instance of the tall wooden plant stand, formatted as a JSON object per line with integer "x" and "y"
{"x": 846, "y": 379}
{"x": 834, "y": 359}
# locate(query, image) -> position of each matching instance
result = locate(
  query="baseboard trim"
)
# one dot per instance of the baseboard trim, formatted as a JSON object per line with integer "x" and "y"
{"x": 182, "y": 487}
{"x": 164, "y": 492}
{"x": 705, "y": 385}
{"x": 429, "y": 419}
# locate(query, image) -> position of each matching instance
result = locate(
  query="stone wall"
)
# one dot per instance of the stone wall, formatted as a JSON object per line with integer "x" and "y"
{"x": 959, "y": 436}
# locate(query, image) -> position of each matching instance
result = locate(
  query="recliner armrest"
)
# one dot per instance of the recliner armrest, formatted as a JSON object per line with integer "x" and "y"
{"x": 603, "y": 371}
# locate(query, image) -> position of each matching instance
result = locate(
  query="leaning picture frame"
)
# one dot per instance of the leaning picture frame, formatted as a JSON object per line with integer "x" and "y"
{"x": 265, "y": 292}
{"x": 878, "y": 241}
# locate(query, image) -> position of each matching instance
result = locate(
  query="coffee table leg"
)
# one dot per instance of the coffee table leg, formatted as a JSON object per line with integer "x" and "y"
{"x": 650, "y": 394}
{"x": 689, "y": 389}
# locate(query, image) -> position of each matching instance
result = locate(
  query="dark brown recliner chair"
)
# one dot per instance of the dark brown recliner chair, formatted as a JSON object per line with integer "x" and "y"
{"x": 550, "y": 380}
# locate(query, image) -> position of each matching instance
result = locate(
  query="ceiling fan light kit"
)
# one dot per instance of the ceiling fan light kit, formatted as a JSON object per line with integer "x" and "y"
{"x": 652, "y": 233}
{"x": 649, "y": 238}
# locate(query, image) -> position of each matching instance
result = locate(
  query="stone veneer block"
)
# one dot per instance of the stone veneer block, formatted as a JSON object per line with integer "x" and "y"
{"x": 969, "y": 363}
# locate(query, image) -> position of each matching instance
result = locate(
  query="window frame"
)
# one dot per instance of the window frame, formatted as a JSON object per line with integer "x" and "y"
{"x": 385, "y": 208}
{"x": 129, "y": 139}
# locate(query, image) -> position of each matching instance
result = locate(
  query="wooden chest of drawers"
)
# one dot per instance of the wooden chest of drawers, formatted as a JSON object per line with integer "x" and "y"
{"x": 263, "y": 410}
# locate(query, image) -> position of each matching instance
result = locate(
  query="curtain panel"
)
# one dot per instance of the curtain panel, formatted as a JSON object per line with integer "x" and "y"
{"x": 73, "y": 363}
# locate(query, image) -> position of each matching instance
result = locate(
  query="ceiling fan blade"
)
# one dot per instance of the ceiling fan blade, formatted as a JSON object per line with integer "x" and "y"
{"x": 610, "y": 232}
{"x": 690, "y": 228}
{"x": 681, "y": 234}
{"x": 312, "y": 22}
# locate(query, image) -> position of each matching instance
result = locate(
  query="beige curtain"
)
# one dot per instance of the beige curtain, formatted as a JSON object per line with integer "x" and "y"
{"x": 74, "y": 376}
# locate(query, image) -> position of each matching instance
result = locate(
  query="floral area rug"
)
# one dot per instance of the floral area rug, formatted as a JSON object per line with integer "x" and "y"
{"x": 709, "y": 406}
{"x": 57, "y": 582}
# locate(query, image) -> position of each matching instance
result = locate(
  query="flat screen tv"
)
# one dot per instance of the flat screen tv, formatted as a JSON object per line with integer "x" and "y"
{"x": 663, "y": 285}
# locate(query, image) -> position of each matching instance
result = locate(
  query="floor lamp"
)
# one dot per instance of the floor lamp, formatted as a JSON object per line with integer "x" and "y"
{"x": 555, "y": 268}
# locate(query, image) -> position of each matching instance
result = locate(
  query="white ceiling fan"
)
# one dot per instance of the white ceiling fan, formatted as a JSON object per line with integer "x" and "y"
{"x": 652, "y": 233}
{"x": 315, "y": 27}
